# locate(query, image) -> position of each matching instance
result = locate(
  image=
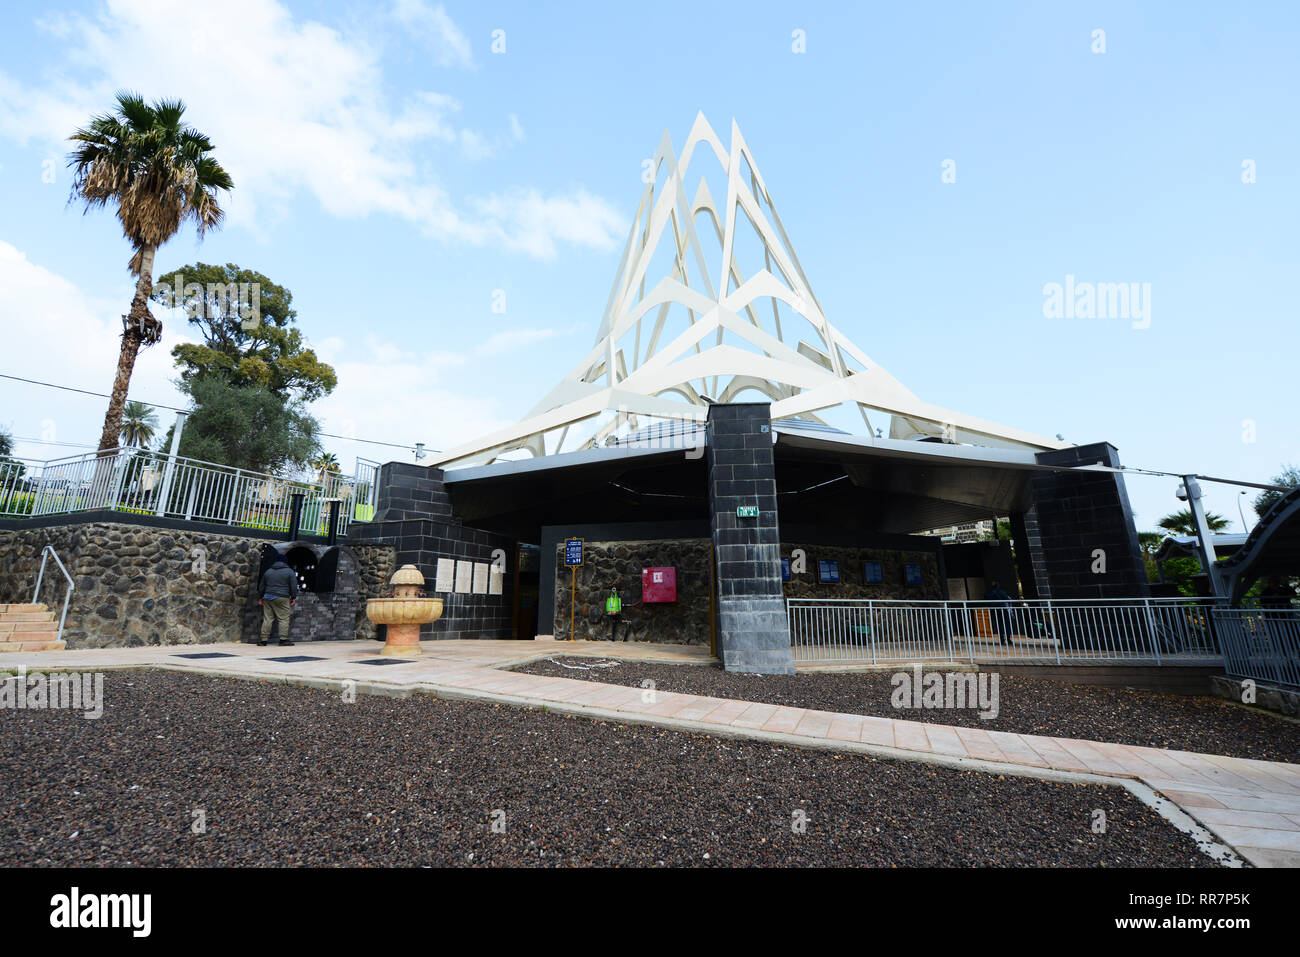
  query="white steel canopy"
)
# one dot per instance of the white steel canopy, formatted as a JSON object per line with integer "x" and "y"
{"x": 710, "y": 304}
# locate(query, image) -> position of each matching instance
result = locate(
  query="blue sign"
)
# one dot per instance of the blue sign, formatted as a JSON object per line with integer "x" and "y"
{"x": 785, "y": 569}
{"x": 912, "y": 574}
{"x": 873, "y": 573}
{"x": 573, "y": 551}
{"x": 828, "y": 572}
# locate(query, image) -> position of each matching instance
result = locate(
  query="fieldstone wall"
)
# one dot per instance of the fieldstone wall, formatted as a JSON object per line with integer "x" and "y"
{"x": 852, "y": 585}
{"x": 1270, "y": 697}
{"x": 685, "y": 621}
{"x": 145, "y": 585}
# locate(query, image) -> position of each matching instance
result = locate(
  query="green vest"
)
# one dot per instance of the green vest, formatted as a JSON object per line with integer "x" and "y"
{"x": 613, "y": 604}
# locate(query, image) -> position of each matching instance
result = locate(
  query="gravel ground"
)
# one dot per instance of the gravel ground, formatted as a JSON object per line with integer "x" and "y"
{"x": 297, "y": 776}
{"x": 1026, "y": 706}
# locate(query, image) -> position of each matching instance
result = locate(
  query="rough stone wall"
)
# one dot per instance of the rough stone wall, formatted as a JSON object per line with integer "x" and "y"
{"x": 144, "y": 585}
{"x": 851, "y": 583}
{"x": 378, "y": 562}
{"x": 685, "y": 621}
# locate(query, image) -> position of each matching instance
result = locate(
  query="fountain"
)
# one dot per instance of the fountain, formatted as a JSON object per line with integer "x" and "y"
{"x": 405, "y": 612}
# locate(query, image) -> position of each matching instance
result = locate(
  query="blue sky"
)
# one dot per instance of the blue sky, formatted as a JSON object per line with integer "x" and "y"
{"x": 393, "y": 172}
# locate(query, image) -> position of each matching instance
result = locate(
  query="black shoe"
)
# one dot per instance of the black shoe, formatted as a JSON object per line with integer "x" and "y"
{"x": 284, "y": 643}
{"x": 261, "y": 644}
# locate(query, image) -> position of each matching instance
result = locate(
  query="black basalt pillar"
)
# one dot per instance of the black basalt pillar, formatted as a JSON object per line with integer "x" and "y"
{"x": 1081, "y": 530}
{"x": 753, "y": 630}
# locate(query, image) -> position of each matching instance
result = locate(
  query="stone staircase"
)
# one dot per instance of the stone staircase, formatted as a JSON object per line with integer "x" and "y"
{"x": 29, "y": 628}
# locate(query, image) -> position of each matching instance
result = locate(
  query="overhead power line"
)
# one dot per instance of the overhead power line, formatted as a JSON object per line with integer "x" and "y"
{"x": 172, "y": 408}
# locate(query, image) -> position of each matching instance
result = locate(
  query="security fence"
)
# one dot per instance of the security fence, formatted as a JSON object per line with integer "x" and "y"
{"x": 1153, "y": 630}
{"x": 153, "y": 483}
{"x": 1260, "y": 644}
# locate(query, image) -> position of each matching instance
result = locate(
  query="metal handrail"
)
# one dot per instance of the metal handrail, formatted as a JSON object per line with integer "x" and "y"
{"x": 154, "y": 483}
{"x": 1156, "y": 630}
{"x": 46, "y": 553}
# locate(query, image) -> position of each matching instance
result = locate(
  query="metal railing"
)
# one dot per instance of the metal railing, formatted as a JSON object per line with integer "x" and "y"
{"x": 47, "y": 553}
{"x": 1157, "y": 630}
{"x": 153, "y": 483}
{"x": 1260, "y": 644}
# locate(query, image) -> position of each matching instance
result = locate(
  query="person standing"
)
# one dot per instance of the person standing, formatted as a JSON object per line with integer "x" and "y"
{"x": 279, "y": 590}
{"x": 614, "y": 611}
{"x": 999, "y": 611}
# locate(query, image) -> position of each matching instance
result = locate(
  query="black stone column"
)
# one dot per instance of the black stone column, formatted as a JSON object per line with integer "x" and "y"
{"x": 414, "y": 514}
{"x": 1076, "y": 515}
{"x": 753, "y": 630}
{"x": 1029, "y": 556}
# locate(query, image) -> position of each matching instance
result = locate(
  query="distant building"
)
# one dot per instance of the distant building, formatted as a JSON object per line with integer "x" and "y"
{"x": 968, "y": 532}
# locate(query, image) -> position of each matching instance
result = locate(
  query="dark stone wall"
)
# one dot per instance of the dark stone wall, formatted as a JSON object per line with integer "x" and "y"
{"x": 685, "y": 621}
{"x": 1075, "y": 513}
{"x": 753, "y": 629}
{"x": 147, "y": 584}
{"x": 852, "y": 584}
{"x": 413, "y": 514}
{"x": 336, "y": 615}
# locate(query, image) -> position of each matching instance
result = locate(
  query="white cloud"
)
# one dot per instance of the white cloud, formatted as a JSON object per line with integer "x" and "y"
{"x": 511, "y": 340}
{"x": 445, "y": 40}
{"x": 386, "y": 391}
{"x": 533, "y": 223}
{"x": 294, "y": 107}
{"x": 76, "y": 344}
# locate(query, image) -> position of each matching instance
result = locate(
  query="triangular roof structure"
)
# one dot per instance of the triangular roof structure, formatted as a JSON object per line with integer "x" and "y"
{"x": 711, "y": 304}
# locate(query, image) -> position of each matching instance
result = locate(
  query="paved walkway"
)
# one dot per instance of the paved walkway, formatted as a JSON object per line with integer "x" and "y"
{"x": 1252, "y": 806}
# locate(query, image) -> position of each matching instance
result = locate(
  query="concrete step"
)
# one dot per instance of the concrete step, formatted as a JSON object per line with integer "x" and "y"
{"x": 50, "y": 645}
{"x": 23, "y": 608}
{"x": 27, "y": 628}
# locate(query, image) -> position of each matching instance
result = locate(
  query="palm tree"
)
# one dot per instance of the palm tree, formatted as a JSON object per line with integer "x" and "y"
{"x": 327, "y": 463}
{"x": 159, "y": 174}
{"x": 139, "y": 424}
{"x": 1181, "y": 522}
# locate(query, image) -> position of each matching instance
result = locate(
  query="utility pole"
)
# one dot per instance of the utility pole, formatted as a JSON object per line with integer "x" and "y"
{"x": 1190, "y": 492}
{"x": 170, "y": 468}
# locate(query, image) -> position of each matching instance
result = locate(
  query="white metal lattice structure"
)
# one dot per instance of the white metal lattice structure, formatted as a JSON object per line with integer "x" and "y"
{"x": 711, "y": 303}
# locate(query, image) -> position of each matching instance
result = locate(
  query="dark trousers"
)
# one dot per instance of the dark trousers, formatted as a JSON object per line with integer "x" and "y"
{"x": 614, "y": 621}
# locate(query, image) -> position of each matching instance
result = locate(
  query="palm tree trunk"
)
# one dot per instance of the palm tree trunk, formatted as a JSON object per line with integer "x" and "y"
{"x": 139, "y": 327}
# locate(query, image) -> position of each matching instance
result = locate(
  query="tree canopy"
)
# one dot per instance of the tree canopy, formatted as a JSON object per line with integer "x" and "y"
{"x": 250, "y": 337}
{"x": 158, "y": 173}
{"x": 247, "y": 426}
{"x": 1181, "y": 523}
{"x": 1289, "y": 476}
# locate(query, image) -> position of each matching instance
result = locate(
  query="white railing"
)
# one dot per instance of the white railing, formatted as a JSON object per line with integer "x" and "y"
{"x": 1157, "y": 630}
{"x": 1260, "y": 644}
{"x": 47, "y": 553}
{"x": 153, "y": 483}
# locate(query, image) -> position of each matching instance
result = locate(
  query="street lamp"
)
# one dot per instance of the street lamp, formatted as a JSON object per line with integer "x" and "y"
{"x": 1242, "y": 513}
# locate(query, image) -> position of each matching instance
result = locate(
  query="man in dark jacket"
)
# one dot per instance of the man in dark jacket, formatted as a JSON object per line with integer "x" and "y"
{"x": 279, "y": 591}
{"x": 999, "y": 603}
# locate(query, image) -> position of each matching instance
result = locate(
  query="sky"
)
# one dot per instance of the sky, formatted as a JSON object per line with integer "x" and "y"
{"x": 403, "y": 166}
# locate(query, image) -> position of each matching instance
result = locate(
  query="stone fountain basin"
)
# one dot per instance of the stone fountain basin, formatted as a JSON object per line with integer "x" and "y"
{"x": 403, "y": 611}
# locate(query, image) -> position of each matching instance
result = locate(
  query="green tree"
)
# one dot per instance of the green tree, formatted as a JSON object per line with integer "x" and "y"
{"x": 159, "y": 173}
{"x": 249, "y": 333}
{"x": 1181, "y": 523}
{"x": 248, "y": 427}
{"x": 139, "y": 424}
{"x": 1289, "y": 476}
{"x": 326, "y": 463}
